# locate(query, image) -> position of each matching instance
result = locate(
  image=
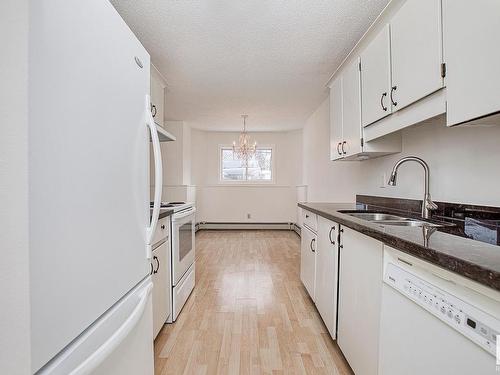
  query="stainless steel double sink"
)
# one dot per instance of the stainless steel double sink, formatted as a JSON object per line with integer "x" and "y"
{"x": 391, "y": 219}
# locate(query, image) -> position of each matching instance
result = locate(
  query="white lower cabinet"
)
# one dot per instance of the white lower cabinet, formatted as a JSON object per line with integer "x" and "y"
{"x": 360, "y": 290}
{"x": 161, "y": 275}
{"x": 319, "y": 267}
{"x": 308, "y": 259}
{"x": 327, "y": 273}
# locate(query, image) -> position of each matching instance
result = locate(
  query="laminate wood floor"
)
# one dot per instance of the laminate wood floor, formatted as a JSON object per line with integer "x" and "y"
{"x": 249, "y": 313}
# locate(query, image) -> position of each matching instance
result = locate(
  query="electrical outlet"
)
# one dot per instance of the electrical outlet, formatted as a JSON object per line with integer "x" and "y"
{"x": 383, "y": 180}
{"x": 249, "y": 216}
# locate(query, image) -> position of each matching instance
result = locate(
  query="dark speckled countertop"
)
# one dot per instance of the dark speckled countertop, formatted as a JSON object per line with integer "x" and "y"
{"x": 475, "y": 260}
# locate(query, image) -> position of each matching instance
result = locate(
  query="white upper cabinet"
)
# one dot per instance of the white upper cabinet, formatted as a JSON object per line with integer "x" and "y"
{"x": 472, "y": 56}
{"x": 416, "y": 52}
{"x": 336, "y": 131}
{"x": 351, "y": 110}
{"x": 346, "y": 132}
{"x": 157, "y": 96}
{"x": 376, "y": 78}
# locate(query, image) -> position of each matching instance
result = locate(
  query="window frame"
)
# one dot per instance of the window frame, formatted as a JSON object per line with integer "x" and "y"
{"x": 272, "y": 181}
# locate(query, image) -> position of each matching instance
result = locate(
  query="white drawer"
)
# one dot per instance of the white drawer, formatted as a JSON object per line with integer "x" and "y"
{"x": 182, "y": 291}
{"x": 310, "y": 220}
{"x": 162, "y": 230}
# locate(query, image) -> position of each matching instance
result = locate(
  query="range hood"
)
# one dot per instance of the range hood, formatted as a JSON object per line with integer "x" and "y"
{"x": 164, "y": 135}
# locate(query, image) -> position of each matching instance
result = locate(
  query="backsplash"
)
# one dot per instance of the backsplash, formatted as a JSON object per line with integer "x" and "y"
{"x": 463, "y": 164}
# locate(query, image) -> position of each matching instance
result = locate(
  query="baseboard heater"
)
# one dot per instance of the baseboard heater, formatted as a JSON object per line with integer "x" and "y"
{"x": 239, "y": 226}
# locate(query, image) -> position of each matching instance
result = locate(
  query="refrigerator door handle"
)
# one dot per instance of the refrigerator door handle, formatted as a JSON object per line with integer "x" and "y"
{"x": 94, "y": 360}
{"x": 158, "y": 179}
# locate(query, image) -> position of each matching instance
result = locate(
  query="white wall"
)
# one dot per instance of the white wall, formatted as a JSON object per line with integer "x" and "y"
{"x": 175, "y": 155}
{"x": 14, "y": 264}
{"x": 176, "y": 160}
{"x": 463, "y": 164}
{"x": 218, "y": 202}
{"x": 186, "y": 155}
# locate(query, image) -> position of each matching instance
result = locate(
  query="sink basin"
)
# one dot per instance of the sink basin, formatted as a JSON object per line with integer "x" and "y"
{"x": 375, "y": 216}
{"x": 410, "y": 223}
{"x": 390, "y": 219}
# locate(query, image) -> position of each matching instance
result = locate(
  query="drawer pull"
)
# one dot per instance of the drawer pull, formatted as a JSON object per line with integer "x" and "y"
{"x": 163, "y": 226}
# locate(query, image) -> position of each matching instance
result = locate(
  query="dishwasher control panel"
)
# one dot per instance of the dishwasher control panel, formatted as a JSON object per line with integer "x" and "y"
{"x": 458, "y": 314}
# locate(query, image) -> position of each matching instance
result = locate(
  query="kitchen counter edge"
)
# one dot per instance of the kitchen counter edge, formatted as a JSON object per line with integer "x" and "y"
{"x": 449, "y": 252}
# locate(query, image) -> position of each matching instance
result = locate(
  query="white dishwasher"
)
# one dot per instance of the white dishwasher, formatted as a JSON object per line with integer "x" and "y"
{"x": 434, "y": 321}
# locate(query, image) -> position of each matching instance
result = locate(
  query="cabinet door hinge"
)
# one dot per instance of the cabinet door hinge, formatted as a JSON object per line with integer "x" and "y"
{"x": 443, "y": 70}
{"x": 362, "y": 142}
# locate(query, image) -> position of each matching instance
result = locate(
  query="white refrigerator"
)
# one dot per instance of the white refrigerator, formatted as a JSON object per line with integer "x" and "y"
{"x": 90, "y": 230}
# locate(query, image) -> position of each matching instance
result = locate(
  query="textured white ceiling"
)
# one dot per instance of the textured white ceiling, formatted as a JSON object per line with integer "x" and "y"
{"x": 267, "y": 58}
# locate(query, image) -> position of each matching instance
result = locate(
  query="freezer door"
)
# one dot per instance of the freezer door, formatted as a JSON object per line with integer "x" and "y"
{"x": 119, "y": 343}
{"x": 89, "y": 173}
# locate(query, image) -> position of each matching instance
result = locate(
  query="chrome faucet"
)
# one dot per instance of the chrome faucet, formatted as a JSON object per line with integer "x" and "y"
{"x": 427, "y": 204}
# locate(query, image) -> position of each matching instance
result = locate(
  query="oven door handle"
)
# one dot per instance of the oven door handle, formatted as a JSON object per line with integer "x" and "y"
{"x": 182, "y": 215}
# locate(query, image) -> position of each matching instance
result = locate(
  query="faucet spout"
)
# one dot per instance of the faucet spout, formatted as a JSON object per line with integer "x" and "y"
{"x": 427, "y": 204}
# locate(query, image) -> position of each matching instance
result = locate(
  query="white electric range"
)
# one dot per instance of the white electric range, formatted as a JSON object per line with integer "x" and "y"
{"x": 182, "y": 254}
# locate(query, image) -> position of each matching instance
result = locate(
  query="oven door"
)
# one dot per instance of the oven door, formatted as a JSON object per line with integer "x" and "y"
{"x": 182, "y": 243}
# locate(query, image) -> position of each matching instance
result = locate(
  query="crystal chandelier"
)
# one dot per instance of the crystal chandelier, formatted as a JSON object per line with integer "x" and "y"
{"x": 245, "y": 149}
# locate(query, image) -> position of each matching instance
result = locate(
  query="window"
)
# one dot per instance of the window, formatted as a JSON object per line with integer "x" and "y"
{"x": 260, "y": 168}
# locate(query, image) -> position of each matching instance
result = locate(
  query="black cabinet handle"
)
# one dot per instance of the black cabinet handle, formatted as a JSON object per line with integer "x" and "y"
{"x": 151, "y": 272}
{"x": 338, "y": 149}
{"x": 311, "y": 245}
{"x": 344, "y": 151}
{"x": 394, "y": 88}
{"x": 158, "y": 264}
{"x": 163, "y": 226}
{"x": 153, "y": 109}
{"x": 341, "y": 230}
{"x": 330, "y": 235}
{"x": 382, "y": 101}
{"x": 307, "y": 216}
